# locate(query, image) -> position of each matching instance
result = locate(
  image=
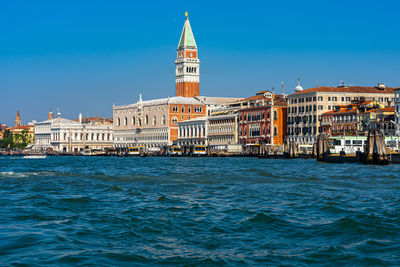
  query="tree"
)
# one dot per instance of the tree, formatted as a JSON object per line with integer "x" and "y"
{"x": 21, "y": 140}
{"x": 7, "y": 141}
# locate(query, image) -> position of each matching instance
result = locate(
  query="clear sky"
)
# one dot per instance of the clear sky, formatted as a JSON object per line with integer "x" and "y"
{"x": 85, "y": 56}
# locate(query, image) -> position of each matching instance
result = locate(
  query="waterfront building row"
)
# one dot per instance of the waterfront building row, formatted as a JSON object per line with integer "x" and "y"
{"x": 305, "y": 107}
{"x": 72, "y": 136}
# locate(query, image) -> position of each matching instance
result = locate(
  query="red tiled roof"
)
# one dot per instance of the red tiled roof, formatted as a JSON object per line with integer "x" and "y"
{"x": 387, "y": 109}
{"x": 22, "y": 127}
{"x": 349, "y": 89}
{"x": 339, "y": 112}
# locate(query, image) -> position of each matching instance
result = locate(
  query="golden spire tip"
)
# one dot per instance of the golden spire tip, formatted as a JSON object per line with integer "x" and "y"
{"x": 186, "y": 14}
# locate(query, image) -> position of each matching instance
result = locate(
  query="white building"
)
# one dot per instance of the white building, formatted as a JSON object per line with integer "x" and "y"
{"x": 192, "y": 132}
{"x": 222, "y": 127}
{"x": 67, "y": 136}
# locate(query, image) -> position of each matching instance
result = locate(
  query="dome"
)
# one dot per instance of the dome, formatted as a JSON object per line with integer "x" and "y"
{"x": 298, "y": 87}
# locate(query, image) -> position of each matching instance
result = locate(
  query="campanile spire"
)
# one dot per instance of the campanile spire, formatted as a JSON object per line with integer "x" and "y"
{"x": 187, "y": 71}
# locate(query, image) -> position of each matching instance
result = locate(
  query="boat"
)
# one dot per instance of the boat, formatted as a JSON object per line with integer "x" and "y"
{"x": 175, "y": 151}
{"x": 35, "y": 156}
{"x": 199, "y": 150}
{"x": 135, "y": 151}
{"x": 93, "y": 152}
{"x": 352, "y": 144}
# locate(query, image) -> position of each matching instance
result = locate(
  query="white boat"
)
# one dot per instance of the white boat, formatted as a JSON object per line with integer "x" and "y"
{"x": 35, "y": 157}
{"x": 93, "y": 152}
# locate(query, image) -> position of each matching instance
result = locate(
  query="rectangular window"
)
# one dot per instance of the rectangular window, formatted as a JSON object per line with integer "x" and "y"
{"x": 342, "y": 98}
{"x": 329, "y": 98}
{"x": 347, "y": 98}
{"x": 314, "y": 98}
{"x": 319, "y": 107}
{"x": 320, "y": 98}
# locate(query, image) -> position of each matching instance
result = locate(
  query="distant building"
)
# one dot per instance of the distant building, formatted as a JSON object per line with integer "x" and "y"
{"x": 222, "y": 127}
{"x": 193, "y": 132}
{"x": 3, "y": 127}
{"x": 68, "y": 136}
{"x": 155, "y": 123}
{"x": 305, "y": 107}
{"x": 385, "y": 120}
{"x": 357, "y": 118}
{"x": 95, "y": 120}
{"x": 27, "y": 130}
{"x": 397, "y": 110}
{"x": 21, "y": 132}
{"x": 263, "y": 119}
{"x": 17, "y": 119}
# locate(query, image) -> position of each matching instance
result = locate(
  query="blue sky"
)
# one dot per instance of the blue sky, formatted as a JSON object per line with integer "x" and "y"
{"x": 85, "y": 56}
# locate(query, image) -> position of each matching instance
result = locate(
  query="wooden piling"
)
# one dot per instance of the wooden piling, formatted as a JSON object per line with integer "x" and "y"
{"x": 375, "y": 152}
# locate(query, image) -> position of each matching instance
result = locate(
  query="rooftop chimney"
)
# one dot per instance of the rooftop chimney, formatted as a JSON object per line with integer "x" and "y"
{"x": 381, "y": 85}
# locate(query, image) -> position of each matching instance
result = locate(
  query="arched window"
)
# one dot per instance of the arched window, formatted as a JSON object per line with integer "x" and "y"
{"x": 164, "y": 121}
{"x": 183, "y": 109}
{"x": 140, "y": 122}
{"x": 146, "y": 120}
{"x": 126, "y": 121}
{"x": 133, "y": 120}
{"x": 119, "y": 122}
{"x": 189, "y": 109}
{"x": 275, "y": 131}
{"x": 174, "y": 121}
{"x": 154, "y": 120}
{"x": 275, "y": 115}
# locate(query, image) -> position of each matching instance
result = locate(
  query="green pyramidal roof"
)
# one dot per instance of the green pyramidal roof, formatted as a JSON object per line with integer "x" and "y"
{"x": 187, "y": 38}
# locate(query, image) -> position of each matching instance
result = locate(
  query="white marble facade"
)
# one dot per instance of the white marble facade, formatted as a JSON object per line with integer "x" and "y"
{"x": 63, "y": 135}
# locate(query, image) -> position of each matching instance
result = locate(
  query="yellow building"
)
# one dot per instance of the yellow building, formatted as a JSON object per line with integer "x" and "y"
{"x": 23, "y": 132}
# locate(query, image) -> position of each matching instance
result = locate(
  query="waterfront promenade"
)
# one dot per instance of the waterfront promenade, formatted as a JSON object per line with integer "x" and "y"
{"x": 197, "y": 211}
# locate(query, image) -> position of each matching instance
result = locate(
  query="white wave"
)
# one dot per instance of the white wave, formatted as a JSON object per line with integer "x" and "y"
{"x": 11, "y": 174}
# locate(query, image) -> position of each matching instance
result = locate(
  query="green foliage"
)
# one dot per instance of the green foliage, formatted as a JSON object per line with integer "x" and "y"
{"x": 18, "y": 140}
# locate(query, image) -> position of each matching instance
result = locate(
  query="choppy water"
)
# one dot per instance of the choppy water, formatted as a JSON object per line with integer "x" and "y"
{"x": 197, "y": 211}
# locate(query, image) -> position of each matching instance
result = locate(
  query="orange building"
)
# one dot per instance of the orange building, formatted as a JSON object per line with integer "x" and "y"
{"x": 263, "y": 119}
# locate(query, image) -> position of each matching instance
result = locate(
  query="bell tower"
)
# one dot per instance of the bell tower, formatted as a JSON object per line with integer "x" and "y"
{"x": 187, "y": 71}
{"x": 17, "y": 119}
